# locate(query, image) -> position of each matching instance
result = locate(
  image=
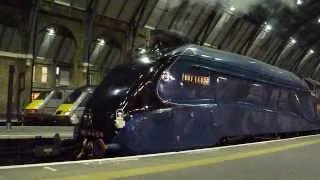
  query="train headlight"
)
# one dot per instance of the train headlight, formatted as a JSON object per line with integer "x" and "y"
{"x": 119, "y": 121}
{"x": 74, "y": 119}
{"x": 67, "y": 113}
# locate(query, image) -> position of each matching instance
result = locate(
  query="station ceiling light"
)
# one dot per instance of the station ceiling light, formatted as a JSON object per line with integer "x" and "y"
{"x": 101, "y": 41}
{"x": 57, "y": 70}
{"x": 232, "y": 8}
{"x": 267, "y": 27}
{"x": 299, "y": 2}
{"x": 311, "y": 51}
{"x": 293, "y": 41}
{"x": 51, "y": 31}
{"x": 319, "y": 20}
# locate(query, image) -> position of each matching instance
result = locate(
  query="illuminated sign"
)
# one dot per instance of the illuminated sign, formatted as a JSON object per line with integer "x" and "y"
{"x": 196, "y": 79}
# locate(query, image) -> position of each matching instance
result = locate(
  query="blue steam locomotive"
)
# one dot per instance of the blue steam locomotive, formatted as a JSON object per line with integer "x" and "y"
{"x": 192, "y": 98}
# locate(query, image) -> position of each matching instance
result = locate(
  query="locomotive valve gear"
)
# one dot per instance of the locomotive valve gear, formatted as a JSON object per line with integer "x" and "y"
{"x": 119, "y": 121}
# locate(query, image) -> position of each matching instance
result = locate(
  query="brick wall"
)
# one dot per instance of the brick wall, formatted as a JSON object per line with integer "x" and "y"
{"x": 20, "y": 66}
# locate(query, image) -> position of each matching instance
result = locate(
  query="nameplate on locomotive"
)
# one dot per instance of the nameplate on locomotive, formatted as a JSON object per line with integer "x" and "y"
{"x": 195, "y": 79}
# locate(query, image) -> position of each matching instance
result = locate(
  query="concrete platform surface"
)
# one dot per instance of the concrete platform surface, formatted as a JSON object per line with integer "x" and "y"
{"x": 295, "y": 158}
{"x": 23, "y": 132}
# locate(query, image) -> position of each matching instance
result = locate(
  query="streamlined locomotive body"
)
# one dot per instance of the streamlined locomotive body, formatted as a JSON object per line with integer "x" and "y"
{"x": 192, "y": 98}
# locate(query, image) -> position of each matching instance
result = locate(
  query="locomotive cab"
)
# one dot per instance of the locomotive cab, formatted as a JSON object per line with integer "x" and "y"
{"x": 73, "y": 106}
{"x": 40, "y": 110}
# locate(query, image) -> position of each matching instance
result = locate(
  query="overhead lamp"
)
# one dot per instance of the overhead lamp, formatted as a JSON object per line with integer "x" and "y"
{"x": 232, "y": 8}
{"x": 101, "y": 41}
{"x": 311, "y": 51}
{"x": 143, "y": 51}
{"x": 299, "y": 2}
{"x": 116, "y": 91}
{"x": 268, "y": 27}
{"x": 319, "y": 20}
{"x": 57, "y": 70}
{"x": 51, "y": 31}
{"x": 293, "y": 41}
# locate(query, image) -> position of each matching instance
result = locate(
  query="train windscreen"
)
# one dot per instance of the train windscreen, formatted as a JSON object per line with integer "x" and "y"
{"x": 73, "y": 96}
{"x": 115, "y": 86}
{"x": 43, "y": 95}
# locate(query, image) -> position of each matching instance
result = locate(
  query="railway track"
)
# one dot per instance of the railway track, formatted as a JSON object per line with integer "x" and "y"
{"x": 44, "y": 150}
{"x": 35, "y": 150}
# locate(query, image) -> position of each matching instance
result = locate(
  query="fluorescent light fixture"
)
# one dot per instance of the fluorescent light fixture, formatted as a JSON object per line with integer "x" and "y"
{"x": 232, "y": 8}
{"x": 116, "y": 91}
{"x": 57, "y": 70}
{"x": 142, "y": 50}
{"x": 101, "y": 41}
{"x": 268, "y": 27}
{"x": 299, "y": 2}
{"x": 293, "y": 41}
{"x": 311, "y": 51}
{"x": 51, "y": 31}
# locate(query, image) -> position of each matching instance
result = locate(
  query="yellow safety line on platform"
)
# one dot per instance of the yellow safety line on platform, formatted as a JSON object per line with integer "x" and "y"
{"x": 185, "y": 164}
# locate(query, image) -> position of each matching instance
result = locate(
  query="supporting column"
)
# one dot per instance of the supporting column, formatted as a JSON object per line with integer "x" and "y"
{"x": 89, "y": 27}
{"x": 32, "y": 41}
{"x": 10, "y": 96}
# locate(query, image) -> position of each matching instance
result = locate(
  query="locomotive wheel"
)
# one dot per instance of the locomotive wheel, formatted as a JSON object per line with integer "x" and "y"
{"x": 99, "y": 148}
{"x": 94, "y": 148}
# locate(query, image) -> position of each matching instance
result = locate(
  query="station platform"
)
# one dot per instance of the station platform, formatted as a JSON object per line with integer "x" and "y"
{"x": 27, "y": 132}
{"x": 295, "y": 158}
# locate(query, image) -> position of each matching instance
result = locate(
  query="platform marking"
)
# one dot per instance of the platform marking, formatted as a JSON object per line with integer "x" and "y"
{"x": 14, "y": 136}
{"x": 137, "y": 157}
{"x": 140, "y": 171}
{"x": 50, "y": 169}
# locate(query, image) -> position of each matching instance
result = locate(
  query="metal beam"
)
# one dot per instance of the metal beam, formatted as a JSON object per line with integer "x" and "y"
{"x": 163, "y": 14}
{"x": 250, "y": 41}
{"x": 122, "y": 8}
{"x": 60, "y": 11}
{"x": 150, "y": 13}
{"x": 203, "y": 9}
{"x": 316, "y": 71}
{"x": 135, "y": 20}
{"x": 183, "y": 5}
{"x": 206, "y": 27}
{"x": 106, "y": 7}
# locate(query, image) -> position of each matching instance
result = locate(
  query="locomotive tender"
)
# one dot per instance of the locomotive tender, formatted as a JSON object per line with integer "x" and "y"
{"x": 192, "y": 98}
